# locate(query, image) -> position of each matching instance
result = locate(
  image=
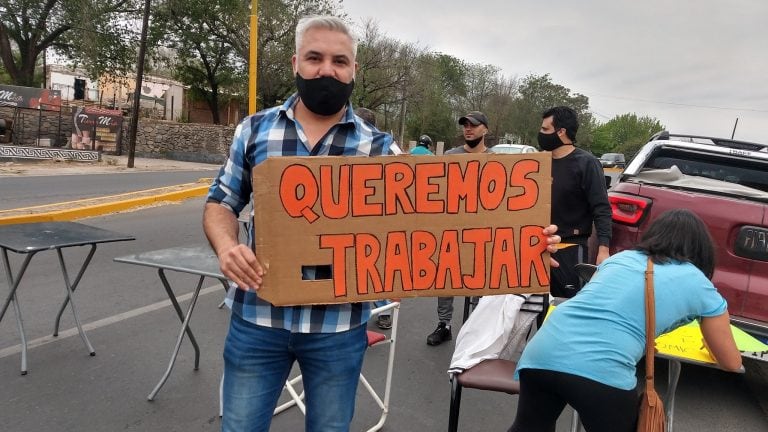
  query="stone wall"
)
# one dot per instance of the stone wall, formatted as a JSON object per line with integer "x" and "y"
{"x": 193, "y": 142}
{"x": 53, "y": 126}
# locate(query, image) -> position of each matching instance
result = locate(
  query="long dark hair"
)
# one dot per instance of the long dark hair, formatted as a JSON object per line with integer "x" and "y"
{"x": 680, "y": 235}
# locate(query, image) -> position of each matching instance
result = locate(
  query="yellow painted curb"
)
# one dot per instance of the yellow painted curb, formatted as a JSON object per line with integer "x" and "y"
{"x": 86, "y": 210}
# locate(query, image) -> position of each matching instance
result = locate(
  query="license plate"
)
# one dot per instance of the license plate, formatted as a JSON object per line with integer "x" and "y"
{"x": 752, "y": 243}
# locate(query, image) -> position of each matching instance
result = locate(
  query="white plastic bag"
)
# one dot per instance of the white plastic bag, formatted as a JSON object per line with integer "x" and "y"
{"x": 496, "y": 326}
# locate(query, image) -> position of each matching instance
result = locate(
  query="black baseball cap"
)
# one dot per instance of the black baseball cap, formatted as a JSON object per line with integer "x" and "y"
{"x": 474, "y": 117}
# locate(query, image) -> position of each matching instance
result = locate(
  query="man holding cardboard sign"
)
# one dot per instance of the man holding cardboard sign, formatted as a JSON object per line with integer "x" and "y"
{"x": 264, "y": 340}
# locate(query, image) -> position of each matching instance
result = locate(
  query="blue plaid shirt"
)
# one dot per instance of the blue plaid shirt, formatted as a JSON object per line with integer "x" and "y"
{"x": 271, "y": 133}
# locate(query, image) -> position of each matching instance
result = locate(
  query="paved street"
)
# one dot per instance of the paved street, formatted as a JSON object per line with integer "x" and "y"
{"x": 133, "y": 330}
{"x": 29, "y": 183}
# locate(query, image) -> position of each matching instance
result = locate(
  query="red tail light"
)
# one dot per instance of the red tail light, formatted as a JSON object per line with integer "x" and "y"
{"x": 628, "y": 209}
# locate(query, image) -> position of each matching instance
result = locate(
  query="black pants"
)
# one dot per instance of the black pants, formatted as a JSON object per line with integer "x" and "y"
{"x": 544, "y": 394}
{"x": 564, "y": 281}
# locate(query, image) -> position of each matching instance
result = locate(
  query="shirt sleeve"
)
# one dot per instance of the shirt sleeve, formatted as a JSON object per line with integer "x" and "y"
{"x": 598, "y": 201}
{"x": 232, "y": 187}
{"x": 712, "y": 303}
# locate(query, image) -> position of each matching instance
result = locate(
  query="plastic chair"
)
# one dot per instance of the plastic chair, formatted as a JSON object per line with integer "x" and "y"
{"x": 495, "y": 374}
{"x": 375, "y": 339}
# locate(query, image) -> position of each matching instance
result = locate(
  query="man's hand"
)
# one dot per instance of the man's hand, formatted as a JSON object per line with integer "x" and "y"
{"x": 242, "y": 266}
{"x": 602, "y": 254}
{"x": 552, "y": 241}
{"x": 237, "y": 261}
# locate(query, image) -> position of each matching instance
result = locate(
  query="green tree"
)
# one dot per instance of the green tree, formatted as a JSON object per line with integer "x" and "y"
{"x": 97, "y": 35}
{"x": 208, "y": 64}
{"x": 386, "y": 71}
{"x": 537, "y": 94}
{"x": 437, "y": 87}
{"x": 500, "y": 106}
{"x": 625, "y": 133}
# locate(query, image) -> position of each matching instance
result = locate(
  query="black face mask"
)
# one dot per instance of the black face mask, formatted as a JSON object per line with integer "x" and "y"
{"x": 325, "y": 95}
{"x": 549, "y": 142}
{"x": 473, "y": 143}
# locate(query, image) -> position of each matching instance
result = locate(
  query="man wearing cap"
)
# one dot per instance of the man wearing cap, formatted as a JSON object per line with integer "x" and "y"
{"x": 475, "y": 127}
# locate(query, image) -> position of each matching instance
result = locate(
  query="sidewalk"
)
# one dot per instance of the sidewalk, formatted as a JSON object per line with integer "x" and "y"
{"x": 108, "y": 164}
{"x": 72, "y": 210}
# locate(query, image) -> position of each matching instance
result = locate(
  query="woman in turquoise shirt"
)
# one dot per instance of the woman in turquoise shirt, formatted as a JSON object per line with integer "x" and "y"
{"x": 586, "y": 352}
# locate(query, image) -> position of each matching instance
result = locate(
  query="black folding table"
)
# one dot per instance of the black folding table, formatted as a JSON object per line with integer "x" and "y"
{"x": 29, "y": 239}
{"x": 196, "y": 260}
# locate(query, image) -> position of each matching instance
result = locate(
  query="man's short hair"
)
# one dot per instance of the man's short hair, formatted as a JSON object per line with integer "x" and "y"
{"x": 564, "y": 117}
{"x": 325, "y": 22}
{"x": 367, "y": 115}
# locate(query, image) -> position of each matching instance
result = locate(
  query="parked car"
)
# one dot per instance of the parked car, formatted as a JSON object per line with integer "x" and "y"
{"x": 725, "y": 182}
{"x": 612, "y": 160}
{"x": 513, "y": 148}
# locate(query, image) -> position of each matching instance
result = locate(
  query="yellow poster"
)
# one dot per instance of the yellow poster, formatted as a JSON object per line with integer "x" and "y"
{"x": 687, "y": 342}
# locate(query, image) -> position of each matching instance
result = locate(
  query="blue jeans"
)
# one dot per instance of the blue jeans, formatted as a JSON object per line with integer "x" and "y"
{"x": 257, "y": 361}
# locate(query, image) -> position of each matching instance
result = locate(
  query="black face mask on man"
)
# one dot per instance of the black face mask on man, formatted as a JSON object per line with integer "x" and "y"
{"x": 549, "y": 142}
{"x": 325, "y": 95}
{"x": 474, "y": 142}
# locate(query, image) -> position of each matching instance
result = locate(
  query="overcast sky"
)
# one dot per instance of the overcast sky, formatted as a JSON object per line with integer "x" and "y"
{"x": 694, "y": 65}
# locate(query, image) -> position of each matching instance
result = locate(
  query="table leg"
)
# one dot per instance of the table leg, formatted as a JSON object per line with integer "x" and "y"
{"x": 181, "y": 316}
{"x": 184, "y": 329}
{"x": 226, "y": 290}
{"x": 674, "y": 377}
{"x": 13, "y": 284}
{"x": 73, "y": 284}
{"x": 71, "y": 299}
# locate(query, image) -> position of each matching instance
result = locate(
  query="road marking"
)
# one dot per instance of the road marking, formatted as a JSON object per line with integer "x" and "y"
{"x": 5, "y": 352}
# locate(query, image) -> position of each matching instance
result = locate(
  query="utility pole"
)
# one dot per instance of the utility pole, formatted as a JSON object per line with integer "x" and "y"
{"x": 252, "y": 54}
{"x": 137, "y": 90}
{"x": 734, "y": 128}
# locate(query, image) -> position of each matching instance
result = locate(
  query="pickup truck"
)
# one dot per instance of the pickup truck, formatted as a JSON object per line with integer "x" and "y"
{"x": 725, "y": 182}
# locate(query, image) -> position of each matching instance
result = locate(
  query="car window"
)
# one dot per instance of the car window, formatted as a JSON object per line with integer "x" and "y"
{"x": 752, "y": 174}
{"x": 613, "y": 157}
{"x": 508, "y": 150}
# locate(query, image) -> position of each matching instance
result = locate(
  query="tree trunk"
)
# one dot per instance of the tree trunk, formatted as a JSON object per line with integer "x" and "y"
{"x": 27, "y": 72}
{"x": 213, "y": 104}
{"x": 22, "y": 74}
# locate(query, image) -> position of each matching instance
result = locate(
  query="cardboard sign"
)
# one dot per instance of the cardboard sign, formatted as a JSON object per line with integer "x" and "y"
{"x": 401, "y": 226}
